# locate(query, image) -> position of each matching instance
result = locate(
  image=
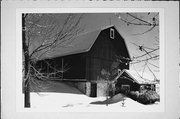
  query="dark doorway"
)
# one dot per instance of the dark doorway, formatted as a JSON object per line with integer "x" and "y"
{"x": 93, "y": 90}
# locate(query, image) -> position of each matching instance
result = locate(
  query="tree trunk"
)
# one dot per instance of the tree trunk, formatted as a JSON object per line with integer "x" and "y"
{"x": 27, "y": 83}
{"x": 26, "y": 65}
{"x": 27, "y": 95}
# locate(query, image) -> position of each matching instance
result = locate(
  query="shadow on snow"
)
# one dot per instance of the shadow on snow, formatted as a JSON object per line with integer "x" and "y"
{"x": 52, "y": 87}
{"x": 114, "y": 99}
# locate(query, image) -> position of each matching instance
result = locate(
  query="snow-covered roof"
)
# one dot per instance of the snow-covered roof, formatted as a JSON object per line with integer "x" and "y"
{"x": 146, "y": 79}
{"x": 81, "y": 43}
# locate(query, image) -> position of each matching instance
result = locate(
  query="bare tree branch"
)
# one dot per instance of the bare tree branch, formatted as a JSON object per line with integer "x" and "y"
{"x": 43, "y": 33}
{"x": 139, "y": 61}
{"x": 132, "y": 19}
{"x": 66, "y": 33}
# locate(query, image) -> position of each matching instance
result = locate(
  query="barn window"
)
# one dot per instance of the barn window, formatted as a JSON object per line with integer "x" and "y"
{"x": 125, "y": 88}
{"x": 112, "y": 33}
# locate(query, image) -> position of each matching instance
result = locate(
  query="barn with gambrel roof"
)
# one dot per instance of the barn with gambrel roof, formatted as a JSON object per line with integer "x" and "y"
{"x": 87, "y": 56}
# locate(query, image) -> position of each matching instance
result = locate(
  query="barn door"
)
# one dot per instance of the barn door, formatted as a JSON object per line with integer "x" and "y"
{"x": 93, "y": 90}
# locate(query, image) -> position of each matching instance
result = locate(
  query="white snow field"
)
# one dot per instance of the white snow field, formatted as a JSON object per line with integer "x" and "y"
{"x": 63, "y": 98}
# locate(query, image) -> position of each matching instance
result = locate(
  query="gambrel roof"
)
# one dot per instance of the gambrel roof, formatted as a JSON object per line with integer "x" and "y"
{"x": 81, "y": 43}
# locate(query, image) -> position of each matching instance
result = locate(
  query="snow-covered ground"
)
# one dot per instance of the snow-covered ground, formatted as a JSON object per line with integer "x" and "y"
{"x": 61, "y": 97}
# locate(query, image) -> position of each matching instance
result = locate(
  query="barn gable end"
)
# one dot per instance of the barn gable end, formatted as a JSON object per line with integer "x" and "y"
{"x": 105, "y": 52}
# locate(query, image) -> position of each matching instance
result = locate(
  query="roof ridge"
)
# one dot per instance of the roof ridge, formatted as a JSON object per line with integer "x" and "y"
{"x": 87, "y": 32}
{"x": 108, "y": 26}
{"x": 125, "y": 70}
{"x": 143, "y": 78}
{"x": 99, "y": 29}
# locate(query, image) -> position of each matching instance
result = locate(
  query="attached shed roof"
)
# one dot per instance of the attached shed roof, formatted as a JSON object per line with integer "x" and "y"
{"x": 146, "y": 79}
{"x": 79, "y": 44}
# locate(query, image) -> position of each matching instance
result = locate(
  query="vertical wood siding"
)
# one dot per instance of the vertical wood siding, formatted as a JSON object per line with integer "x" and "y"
{"x": 103, "y": 53}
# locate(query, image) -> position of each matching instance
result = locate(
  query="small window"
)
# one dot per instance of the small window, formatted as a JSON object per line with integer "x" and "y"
{"x": 125, "y": 88}
{"x": 112, "y": 33}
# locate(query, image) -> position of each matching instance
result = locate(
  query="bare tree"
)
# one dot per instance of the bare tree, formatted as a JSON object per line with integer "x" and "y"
{"x": 41, "y": 34}
{"x": 147, "y": 55}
